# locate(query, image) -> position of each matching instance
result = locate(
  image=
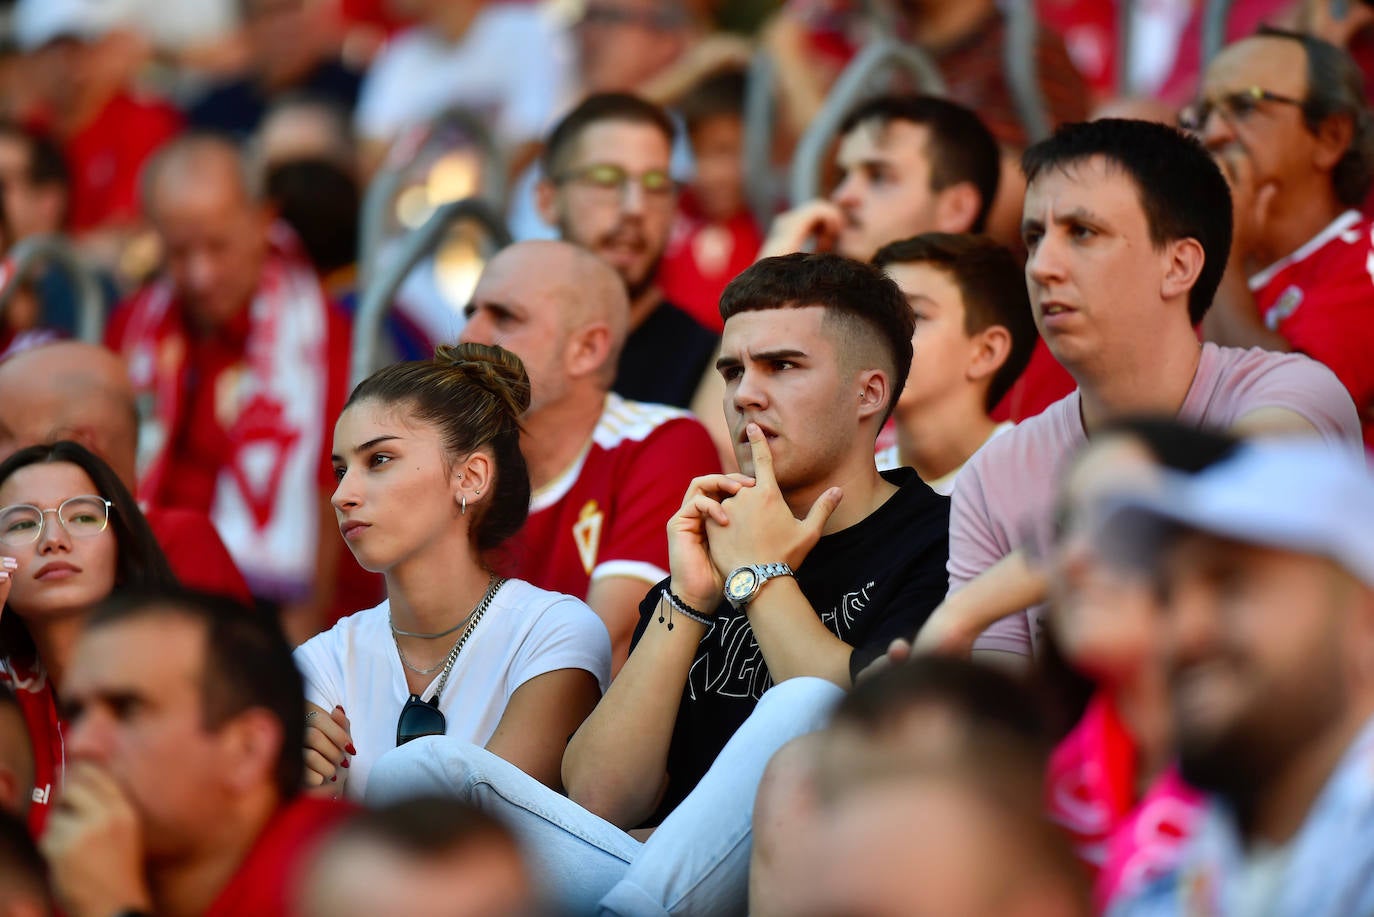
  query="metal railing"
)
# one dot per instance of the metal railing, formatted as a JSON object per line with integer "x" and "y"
{"x": 58, "y": 251}
{"x": 760, "y": 111}
{"x": 854, "y": 85}
{"x": 1022, "y": 67}
{"x": 377, "y": 297}
{"x": 380, "y": 196}
{"x": 1215, "y": 16}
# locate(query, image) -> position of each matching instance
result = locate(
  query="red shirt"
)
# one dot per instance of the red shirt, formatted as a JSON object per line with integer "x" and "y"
{"x": 195, "y": 552}
{"x": 702, "y": 258}
{"x": 1041, "y": 384}
{"x": 38, "y": 704}
{"x": 607, "y": 515}
{"x": 106, "y": 158}
{"x": 265, "y": 884}
{"x": 1321, "y": 299}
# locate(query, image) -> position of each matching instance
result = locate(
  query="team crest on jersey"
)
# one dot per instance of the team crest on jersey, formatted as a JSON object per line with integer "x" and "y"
{"x": 587, "y": 534}
{"x": 1284, "y": 306}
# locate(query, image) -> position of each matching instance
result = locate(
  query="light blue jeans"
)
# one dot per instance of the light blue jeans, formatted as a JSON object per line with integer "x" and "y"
{"x": 696, "y": 863}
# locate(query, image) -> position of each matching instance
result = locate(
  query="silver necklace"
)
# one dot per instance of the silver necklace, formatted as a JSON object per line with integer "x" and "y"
{"x": 447, "y": 662}
{"x": 443, "y": 633}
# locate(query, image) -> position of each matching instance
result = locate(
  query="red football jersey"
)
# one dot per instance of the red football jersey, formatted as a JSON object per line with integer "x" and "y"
{"x": 1321, "y": 299}
{"x": 607, "y": 514}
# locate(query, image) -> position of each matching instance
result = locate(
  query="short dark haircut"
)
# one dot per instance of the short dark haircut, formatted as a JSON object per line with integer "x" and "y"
{"x": 320, "y": 200}
{"x": 604, "y": 106}
{"x": 858, "y": 296}
{"x": 248, "y": 664}
{"x": 139, "y": 561}
{"x": 425, "y": 826}
{"x": 960, "y": 148}
{"x": 1335, "y": 88}
{"x": 1181, "y": 189}
{"x": 720, "y": 95}
{"x": 980, "y": 697}
{"x": 1174, "y": 445}
{"x": 47, "y": 165}
{"x": 991, "y": 282}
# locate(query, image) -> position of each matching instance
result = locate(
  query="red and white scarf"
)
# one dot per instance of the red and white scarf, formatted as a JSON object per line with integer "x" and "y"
{"x": 266, "y": 502}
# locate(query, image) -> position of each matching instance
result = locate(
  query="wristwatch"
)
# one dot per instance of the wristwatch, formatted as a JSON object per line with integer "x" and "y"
{"x": 744, "y": 583}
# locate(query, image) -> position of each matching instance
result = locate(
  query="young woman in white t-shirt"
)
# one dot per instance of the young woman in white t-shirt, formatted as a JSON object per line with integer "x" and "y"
{"x": 431, "y": 480}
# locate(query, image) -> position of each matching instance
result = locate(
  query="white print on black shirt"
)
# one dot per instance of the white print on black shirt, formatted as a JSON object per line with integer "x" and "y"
{"x": 734, "y": 666}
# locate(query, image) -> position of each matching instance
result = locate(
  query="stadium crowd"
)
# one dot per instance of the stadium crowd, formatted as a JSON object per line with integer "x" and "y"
{"x": 988, "y": 532}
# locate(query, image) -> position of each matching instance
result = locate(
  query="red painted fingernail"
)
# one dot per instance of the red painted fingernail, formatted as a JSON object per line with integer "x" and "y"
{"x": 350, "y": 749}
{"x": 334, "y": 779}
{"x": 345, "y": 762}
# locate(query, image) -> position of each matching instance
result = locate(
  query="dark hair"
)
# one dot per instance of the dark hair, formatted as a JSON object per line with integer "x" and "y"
{"x": 474, "y": 394}
{"x": 719, "y": 95}
{"x": 860, "y": 297}
{"x": 1174, "y": 445}
{"x": 320, "y": 200}
{"x": 22, "y": 867}
{"x": 47, "y": 165}
{"x": 425, "y": 826}
{"x": 139, "y": 562}
{"x": 1335, "y": 88}
{"x": 248, "y": 664}
{"x": 960, "y": 148}
{"x": 992, "y": 284}
{"x": 1181, "y": 189}
{"x": 980, "y": 697}
{"x": 604, "y": 106}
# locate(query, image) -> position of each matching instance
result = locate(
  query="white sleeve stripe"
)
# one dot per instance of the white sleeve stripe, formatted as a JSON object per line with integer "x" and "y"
{"x": 634, "y": 569}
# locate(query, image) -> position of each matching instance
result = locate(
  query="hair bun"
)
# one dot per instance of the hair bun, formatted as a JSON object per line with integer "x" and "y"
{"x": 494, "y": 369}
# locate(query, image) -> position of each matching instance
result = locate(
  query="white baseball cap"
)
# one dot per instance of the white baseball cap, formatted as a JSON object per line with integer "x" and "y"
{"x": 1298, "y": 495}
{"x": 38, "y": 22}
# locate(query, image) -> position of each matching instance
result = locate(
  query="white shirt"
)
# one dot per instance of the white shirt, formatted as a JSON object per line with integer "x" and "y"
{"x": 512, "y": 69}
{"x": 524, "y": 633}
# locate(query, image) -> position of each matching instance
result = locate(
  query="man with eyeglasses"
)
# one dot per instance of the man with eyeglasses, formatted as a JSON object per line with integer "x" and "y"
{"x": 1286, "y": 117}
{"x": 607, "y": 186}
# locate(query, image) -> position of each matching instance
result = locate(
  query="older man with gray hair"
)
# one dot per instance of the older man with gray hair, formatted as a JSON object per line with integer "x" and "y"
{"x": 1286, "y": 116}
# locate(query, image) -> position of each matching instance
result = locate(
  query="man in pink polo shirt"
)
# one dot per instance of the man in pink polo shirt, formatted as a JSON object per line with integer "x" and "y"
{"x": 1127, "y": 225}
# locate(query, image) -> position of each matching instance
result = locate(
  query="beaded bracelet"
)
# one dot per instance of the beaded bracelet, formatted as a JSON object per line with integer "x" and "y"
{"x": 676, "y": 604}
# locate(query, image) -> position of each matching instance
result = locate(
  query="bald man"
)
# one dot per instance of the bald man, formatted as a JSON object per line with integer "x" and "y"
{"x": 239, "y": 365}
{"x": 77, "y": 391}
{"x": 607, "y": 473}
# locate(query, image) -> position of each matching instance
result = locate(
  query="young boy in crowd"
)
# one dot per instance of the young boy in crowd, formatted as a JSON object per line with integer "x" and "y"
{"x": 715, "y": 237}
{"x": 974, "y": 336}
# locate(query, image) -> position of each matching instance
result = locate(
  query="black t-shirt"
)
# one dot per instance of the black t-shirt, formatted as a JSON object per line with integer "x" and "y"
{"x": 665, "y": 358}
{"x": 870, "y": 583}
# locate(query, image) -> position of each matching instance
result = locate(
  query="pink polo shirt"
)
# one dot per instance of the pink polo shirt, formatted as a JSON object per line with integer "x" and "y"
{"x": 1006, "y": 492}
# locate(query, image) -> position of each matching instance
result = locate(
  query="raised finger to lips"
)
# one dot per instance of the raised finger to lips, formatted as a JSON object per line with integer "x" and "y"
{"x": 763, "y": 456}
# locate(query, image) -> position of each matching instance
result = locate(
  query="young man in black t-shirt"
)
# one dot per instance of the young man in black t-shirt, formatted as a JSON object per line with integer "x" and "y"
{"x": 813, "y": 357}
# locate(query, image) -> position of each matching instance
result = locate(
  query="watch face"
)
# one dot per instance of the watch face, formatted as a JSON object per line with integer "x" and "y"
{"x": 741, "y": 583}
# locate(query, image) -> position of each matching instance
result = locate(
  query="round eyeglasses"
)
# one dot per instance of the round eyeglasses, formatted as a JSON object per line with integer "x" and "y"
{"x": 81, "y": 517}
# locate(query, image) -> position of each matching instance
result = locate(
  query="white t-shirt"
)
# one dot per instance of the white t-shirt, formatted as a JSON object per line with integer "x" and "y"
{"x": 512, "y": 68}
{"x": 525, "y": 632}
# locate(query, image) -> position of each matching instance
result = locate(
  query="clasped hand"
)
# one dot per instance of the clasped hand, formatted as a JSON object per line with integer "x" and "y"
{"x": 729, "y": 520}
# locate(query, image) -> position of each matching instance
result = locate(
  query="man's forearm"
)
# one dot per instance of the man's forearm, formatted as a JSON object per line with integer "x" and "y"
{"x": 616, "y": 762}
{"x": 792, "y": 638}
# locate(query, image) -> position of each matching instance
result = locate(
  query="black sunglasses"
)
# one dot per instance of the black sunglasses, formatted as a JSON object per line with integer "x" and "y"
{"x": 420, "y": 718}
